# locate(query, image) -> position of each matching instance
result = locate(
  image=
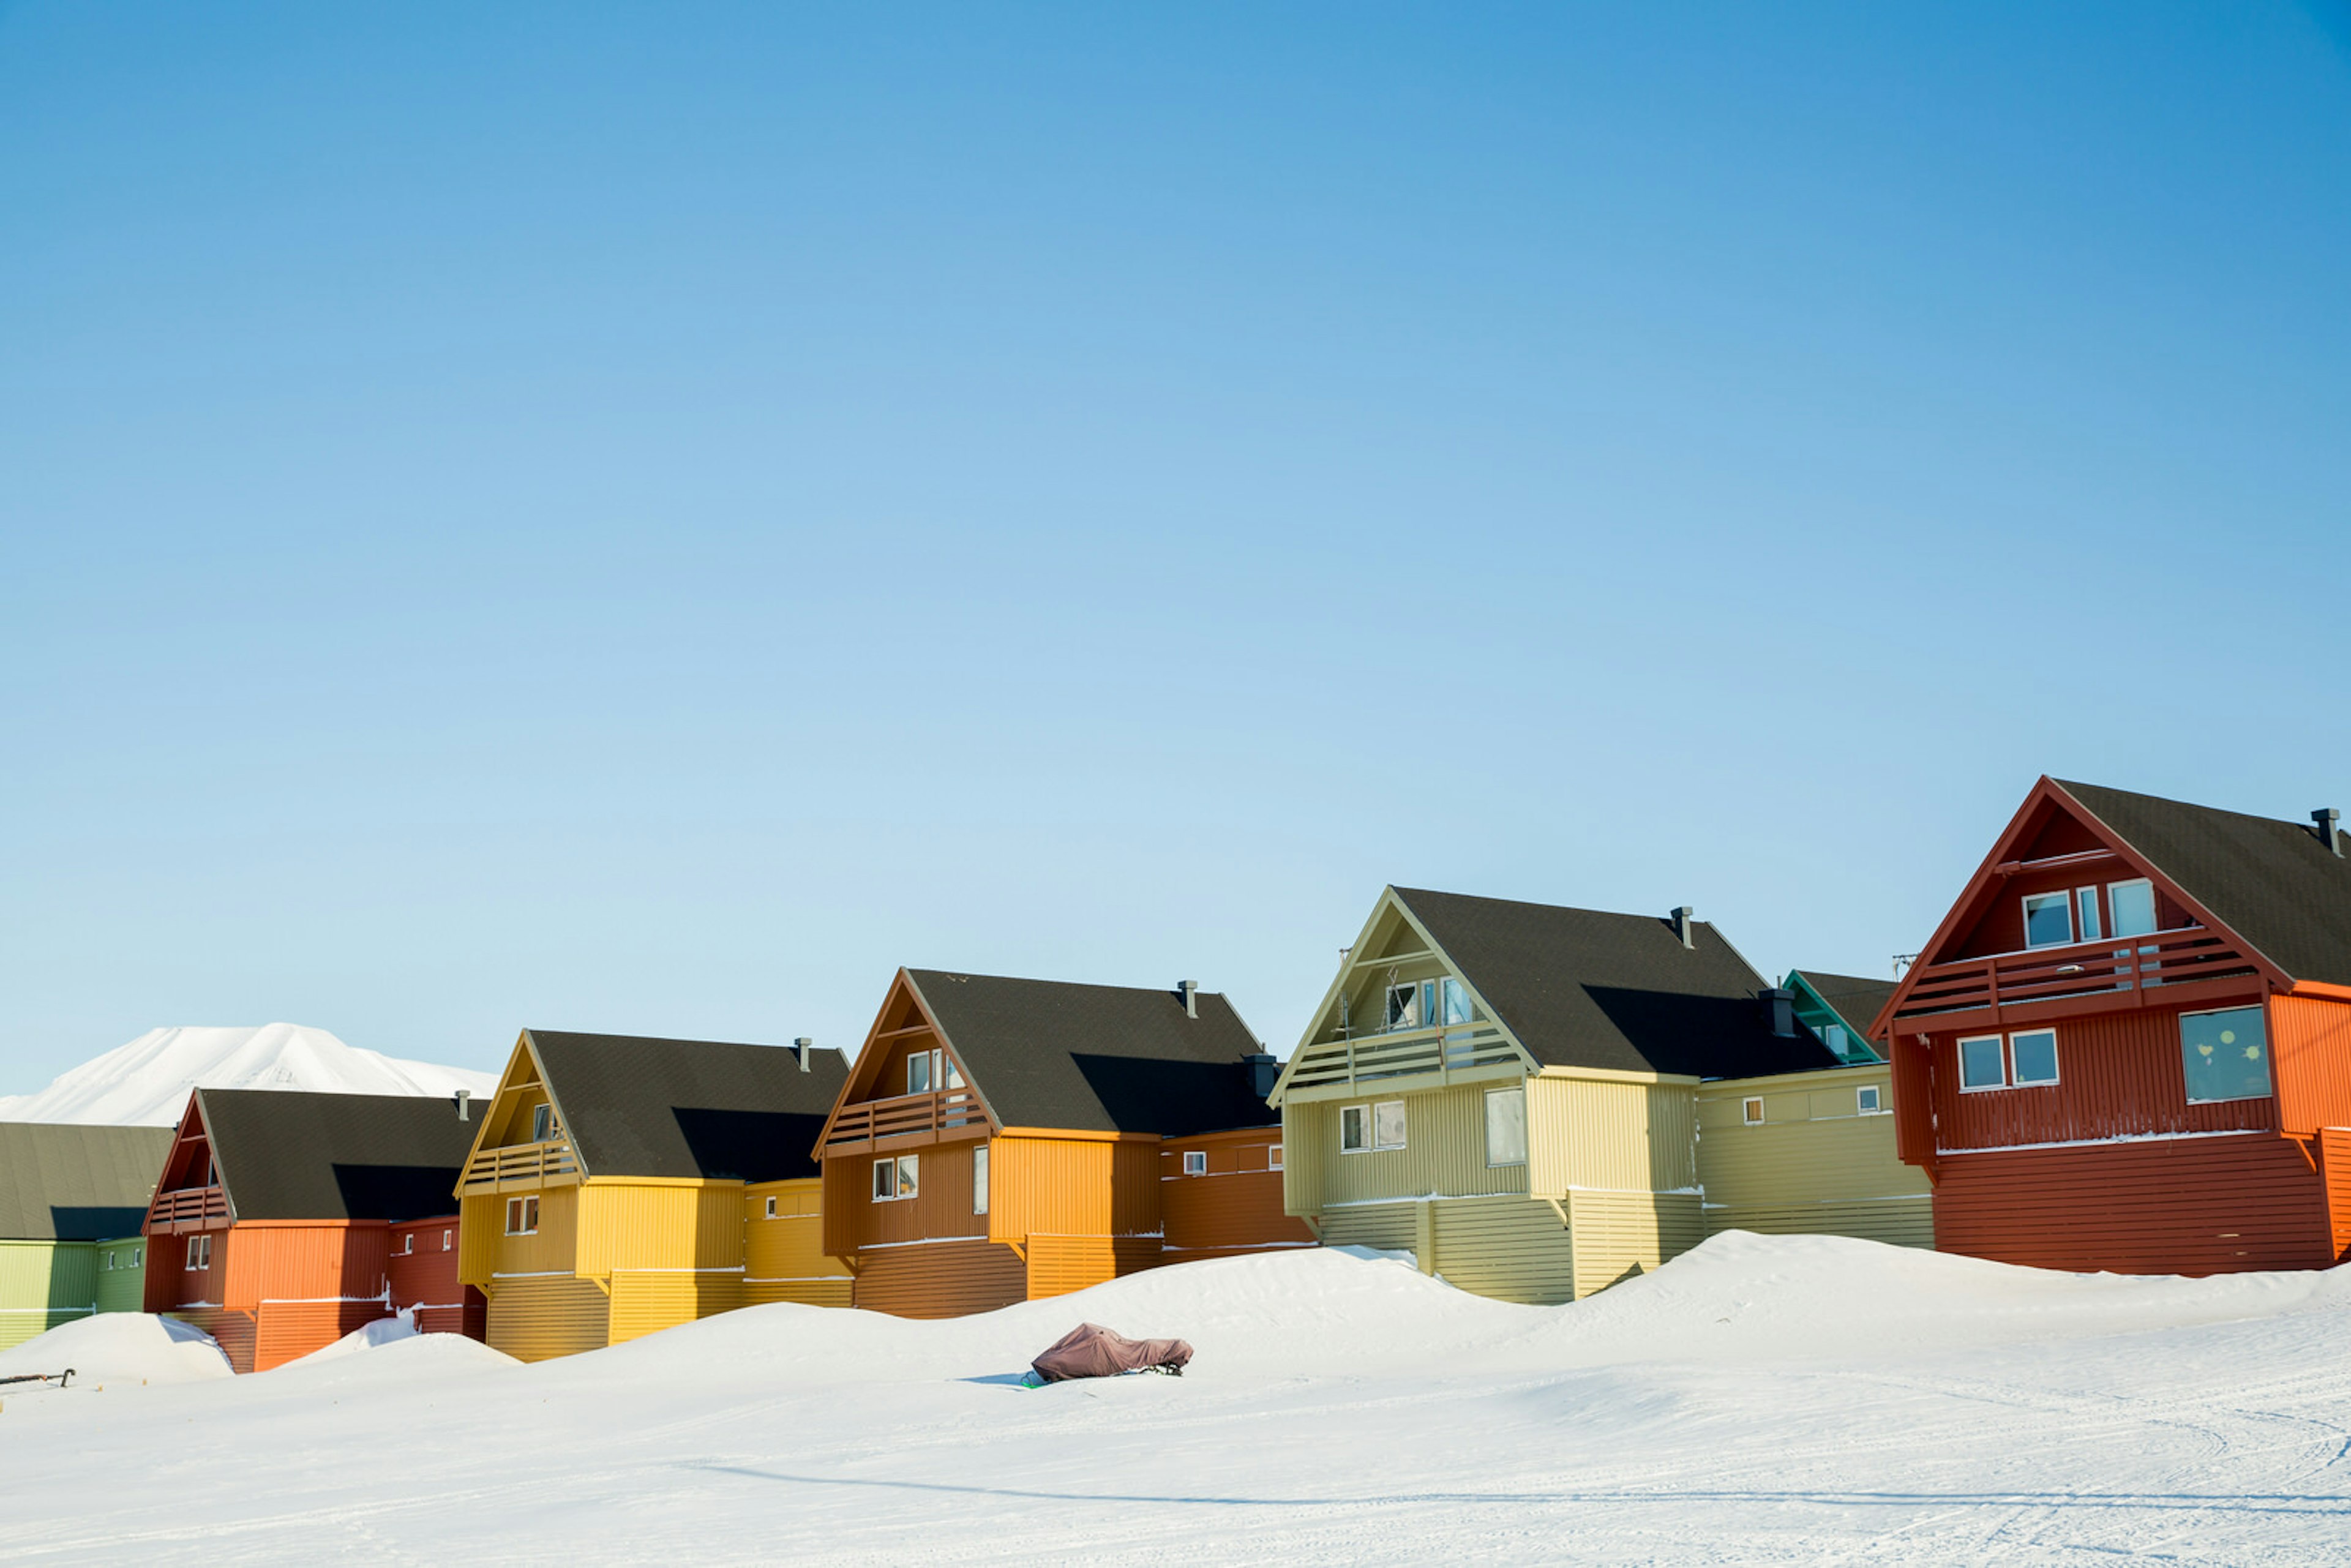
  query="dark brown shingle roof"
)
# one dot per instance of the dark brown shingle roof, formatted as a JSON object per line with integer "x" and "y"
{"x": 285, "y": 1153}
{"x": 689, "y": 1109}
{"x": 2272, "y": 883}
{"x": 1581, "y": 988}
{"x": 1105, "y": 1059}
{"x": 63, "y": 1183}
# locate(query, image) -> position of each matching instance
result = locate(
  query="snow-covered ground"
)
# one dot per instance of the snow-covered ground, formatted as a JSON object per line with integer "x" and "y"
{"x": 1761, "y": 1400}
{"x": 146, "y": 1082}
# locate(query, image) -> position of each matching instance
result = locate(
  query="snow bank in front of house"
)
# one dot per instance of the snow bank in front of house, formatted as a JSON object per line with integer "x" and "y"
{"x": 390, "y": 1352}
{"x": 121, "y": 1349}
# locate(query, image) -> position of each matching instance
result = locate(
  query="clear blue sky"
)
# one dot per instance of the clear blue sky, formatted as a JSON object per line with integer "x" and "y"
{"x": 648, "y": 519}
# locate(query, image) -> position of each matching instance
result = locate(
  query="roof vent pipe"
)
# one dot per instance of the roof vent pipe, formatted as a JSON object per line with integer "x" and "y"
{"x": 1682, "y": 925}
{"x": 1783, "y": 1010}
{"x": 800, "y": 1050}
{"x": 463, "y": 1096}
{"x": 1190, "y": 991}
{"x": 2325, "y": 822}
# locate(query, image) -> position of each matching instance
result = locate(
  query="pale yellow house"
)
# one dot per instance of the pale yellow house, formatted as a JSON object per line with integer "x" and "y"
{"x": 1510, "y": 1091}
{"x": 619, "y": 1186}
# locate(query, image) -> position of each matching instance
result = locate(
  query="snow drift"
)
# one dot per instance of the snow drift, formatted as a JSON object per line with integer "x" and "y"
{"x": 121, "y": 1349}
{"x": 147, "y": 1081}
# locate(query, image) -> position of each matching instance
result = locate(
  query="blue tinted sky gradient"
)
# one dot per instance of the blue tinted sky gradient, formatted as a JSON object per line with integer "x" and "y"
{"x": 648, "y": 518}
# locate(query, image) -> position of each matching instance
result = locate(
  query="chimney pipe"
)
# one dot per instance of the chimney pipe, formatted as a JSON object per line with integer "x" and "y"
{"x": 1190, "y": 991}
{"x": 1783, "y": 1010}
{"x": 1263, "y": 1069}
{"x": 1682, "y": 925}
{"x": 464, "y": 1095}
{"x": 2325, "y": 823}
{"x": 801, "y": 1049}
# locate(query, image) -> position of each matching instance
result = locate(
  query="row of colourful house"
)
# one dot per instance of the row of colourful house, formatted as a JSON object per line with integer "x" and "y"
{"x": 2128, "y": 1046}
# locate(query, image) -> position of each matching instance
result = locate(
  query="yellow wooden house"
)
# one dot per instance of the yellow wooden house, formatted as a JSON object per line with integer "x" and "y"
{"x": 620, "y": 1186}
{"x": 1510, "y": 1092}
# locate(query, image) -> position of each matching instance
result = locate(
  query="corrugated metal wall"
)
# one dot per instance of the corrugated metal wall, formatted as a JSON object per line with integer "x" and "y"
{"x": 1587, "y": 1132}
{"x": 1511, "y": 1248}
{"x": 2310, "y": 1046}
{"x": 532, "y": 1320}
{"x": 286, "y": 1331}
{"x": 1618, "y": 1235}
{"x": 1444, "y": 1153}
{"x": 2175, "y": 1206}
{"x": 2334, "y": 1169}
{"x": 2118, "y": 1073}
{"x": 1815, "y": 1165}
{"x": 943, "y": 1279}
{"x": 648, "y": 1301}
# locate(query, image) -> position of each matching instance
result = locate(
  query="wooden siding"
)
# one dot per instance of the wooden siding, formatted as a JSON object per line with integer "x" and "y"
{"x": 232, "y": 1331}
{"x": 486, "y": 1252}
{"x": 1444, "y": 1153}
{"x": 425, "y": 1278}
{"x": 941, "y": 1207}
{"x": 1234, "y": 1207}
{"x": 171, "y": 1284}
{"x": 1618, "y": 1235}
{"x": 648, "y": 1301}
{"x": 43, "y": 1285}
{"x": 1383, "y": 1227}
{"x": 278, "y": 1261}
{"x": 534, "y": 1320}
{"x": 2118, "y": 1075}
{"x": 122, "y": 1286}
{"x": 2334, "y": 1169}
{"x": 2171, "y": 1205}
{"x": 629, "y": 1225}
{"x": 2309, "y": 1049}
{"x": 288, "y": 1330}
{"x": 1060, "y": 1264}
{"x": 1070, "y": 1186}
{"x": 1511, "y": 1248}
{"x": 784, "y": 1258}
{"x": 1609, "y": 1134}
{"x": 941, "y": 1280}
{"x": 1815, "y": 1165}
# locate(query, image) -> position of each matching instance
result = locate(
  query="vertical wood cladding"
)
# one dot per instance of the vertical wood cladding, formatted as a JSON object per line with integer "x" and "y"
{"x": 1071, "y": 1186}
{"x": 2185, "y": 1206}
{"x": 783, "y": 1257}
{"x": 2118, "y": 1075}
{"x": 942, "y": 1280}
{"x": 1620, "y": 1235}
{"x": 171, "y": 1284}
{"x": 534, "y": 1320}
{"x": 649, "y": 1300}
{"x": 1234, "y": 1207}
{"x": 941, "y": 1207}
{"x": 2310, "y": 1049}
{"x": 2334, "y": 1169}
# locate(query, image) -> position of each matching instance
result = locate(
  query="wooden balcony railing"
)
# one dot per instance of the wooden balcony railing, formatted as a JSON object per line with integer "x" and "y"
{"x": 190, "y": 1206}
{"x": 519, "y": 1166}
{"x": 1440, "y": 1052}
{"x": 942, "y": 1112}
{"x": 2079, "y": 969}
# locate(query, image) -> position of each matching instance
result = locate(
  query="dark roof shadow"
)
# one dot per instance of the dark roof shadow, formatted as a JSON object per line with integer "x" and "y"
{"x": 749, "y": 1145}
{"x": 1170, "y": 1097}
{"x": 396, "y": 1192}
{"x": 1705, "y": 1037}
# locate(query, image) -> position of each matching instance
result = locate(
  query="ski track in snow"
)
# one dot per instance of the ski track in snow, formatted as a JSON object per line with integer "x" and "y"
{"x": 1873, "y": 1407}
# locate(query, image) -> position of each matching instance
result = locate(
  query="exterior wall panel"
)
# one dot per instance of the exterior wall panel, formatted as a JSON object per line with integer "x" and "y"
{"x": 1382, "y": 1226}
{"x": 1443, "y": 1153}
{"x": 123, "y": 1284}
{"x": 646, "y": 1301}
{"x": 2118, "y": 1075}
{"x": 1814, "y": 1166}
{"x": 941, "y": 1207}
{"x": 43, "y": 1285}
{"x": 941, "y": 1280}
{"x": 2334, "y": 1169}
{"x": 2186, "y": 1205}
{"x": 1618, "y": 1235}
{"x": 288, "y": 1330}
{"x": 232, "y": 1331}
{"x": 784, "y": 1258}
{"x": 2310, "y": 1045}
{"x": 1234, "y": 1207}
{"x": 1609, "y": 1135}
{"x": 1051, "y": 1185}
{"x": 326, "y": 1261}
{"x": 425, "y": 1277}
{"x": 1509, "y": 1248}
{"x": 626, "y": 1226}
{"x": 1059, "y": 1265}
{"x": 534, "y": 1320}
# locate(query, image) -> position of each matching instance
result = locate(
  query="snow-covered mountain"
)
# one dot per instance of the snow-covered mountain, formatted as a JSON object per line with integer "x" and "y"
{"x": 146, "y": 1082}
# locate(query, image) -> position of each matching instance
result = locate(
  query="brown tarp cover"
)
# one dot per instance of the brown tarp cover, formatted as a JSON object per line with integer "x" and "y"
{"x": 1089, "y": 1350}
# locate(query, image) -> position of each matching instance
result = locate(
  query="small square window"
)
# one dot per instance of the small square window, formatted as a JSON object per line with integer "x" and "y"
{"x": 771, "y": 1207}
{"x": 200, "y": 1251}
{"x": 2048, "y": 920}
{"x": 1980, "y": 1063}
{"x": 1355, "y": 1129}
{"x": 522, "y": 1216}
{"x": 1387, "y": 1124}
{"x": 1865, "y": 1099}
{"x": 1403, "y": 1006}
{"x": 1273, "y": 1157}
{"x": 1196, "y": 1162}
{"x": 885, "y": 1181}
{"x": 1751, "y": 1109}
{"x": 2032, "y": 1057}
{"x": 2224, "y": 1055}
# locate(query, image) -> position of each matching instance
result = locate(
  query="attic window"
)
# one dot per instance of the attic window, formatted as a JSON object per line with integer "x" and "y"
{"x": 2048, "y": 920}
{"x": 542, "y": 1123}
{"x": 2132, "y": 904}
{"x": 1403, "y": 1006}
{"x": 1751, "y": 1109}
{"x": 1867, "y": 1100}
{"x": 1196, "y": 1162}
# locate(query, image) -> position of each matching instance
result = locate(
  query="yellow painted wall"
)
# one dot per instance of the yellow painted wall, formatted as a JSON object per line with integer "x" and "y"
{"x": 1610, "y": 1135}
{"x": 1444, "y": 1153}
{"x": 484, "y": 1251}
{"x": 1815, "y": 1165}
{"x": 784, "y": 1258}
{"x": 1620, "y": 1234}
{"x": 635, "y": 1225}
{"x": 1511, "y": 1248}
{"x": 533, "y": 1320}
{"x": 646, "y": 1300}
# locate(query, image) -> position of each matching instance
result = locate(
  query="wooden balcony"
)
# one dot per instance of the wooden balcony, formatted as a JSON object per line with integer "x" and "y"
{"x": 905, "y": 1122}
{"x": 519, "y": 1167}
{"x": 2080, "y": 977}
{"x": 188, "y": 1208}
{"x": 1436, "y": 1056}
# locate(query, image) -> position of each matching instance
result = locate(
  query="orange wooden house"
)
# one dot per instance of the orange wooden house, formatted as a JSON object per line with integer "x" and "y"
{"x": 2128, "y": 1047}
{"x": 1002, "y": 1140}
{"x": 275, "y": 1224}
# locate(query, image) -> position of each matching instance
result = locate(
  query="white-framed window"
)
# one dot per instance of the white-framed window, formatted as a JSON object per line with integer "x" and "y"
{"x": 2225, "y": 1055}
{"x": 1982, "y": 1063}
{"x": 1751, "y": 1109}
{"x": 771, "y": 1207}
{"x": 2132, "y": 905}
{"x": 448, "y": 1239}
{"x": 522, "y": 1216}
{"x": 2085, "y": 914}
{"x": 897, "y": 1179}
{"x": 1506, "y": 1125}
{"x": 1834, "y": 1037}
{"x": 1196, "y": 1162}
{"x": 2048, "y": 919}
{"x": 1456, "y": 1002}
{"x": 200, "y": 1251}
{"x": 2032, "y": 1057}
{"x": 1404, "y": 1004}
{"x": 1868, "y": 1098}
{"x": 1364, "y": 1129}
{"x": 929, "y": 1069}
{"x": 979, "y": 1179}
{"x": 542, "y": 1123}
{"x": 1273, "y": 1157}
{"x": 137, "y": 1255}
{"x": 109, "y": 1263}
{"x": 408, "y": 1244}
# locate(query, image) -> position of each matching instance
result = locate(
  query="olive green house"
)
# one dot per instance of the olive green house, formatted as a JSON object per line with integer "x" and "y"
{"x": 71, "y": 1202}
{"x": 1813, "y": 1151}
{"x": 1510, "y": 1092}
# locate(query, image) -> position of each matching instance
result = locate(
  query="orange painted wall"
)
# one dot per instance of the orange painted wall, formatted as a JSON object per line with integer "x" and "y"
{"x": 944, "y": 1280}
{"x": 1074, "y": 1186}
{"x": 1234, "y": 1207}
{"x": 942, "y": 1209}
{"x": 2310, "y": 1045}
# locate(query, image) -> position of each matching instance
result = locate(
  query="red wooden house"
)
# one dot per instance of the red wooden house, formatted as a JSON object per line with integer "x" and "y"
{"x": 276, "y": 1225}
{"x": 2128, "y": 1045}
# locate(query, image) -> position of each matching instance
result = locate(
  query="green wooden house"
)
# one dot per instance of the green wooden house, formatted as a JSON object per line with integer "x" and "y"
{"x": 71, "y": 1202}
{"x": 1814, "y": 1153}
{"x": 1510, "y": 1092}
